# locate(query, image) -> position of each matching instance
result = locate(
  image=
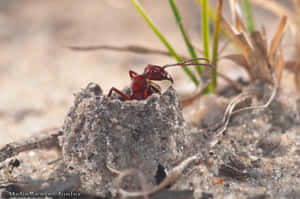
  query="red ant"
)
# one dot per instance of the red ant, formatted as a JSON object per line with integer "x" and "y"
{"x": 142, "y": 86}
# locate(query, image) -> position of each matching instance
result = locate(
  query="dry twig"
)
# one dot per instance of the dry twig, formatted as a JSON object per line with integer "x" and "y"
{"x": 44, "y": 139}
{"x": 129, "y": 48}
{"x": 171, "y": 178}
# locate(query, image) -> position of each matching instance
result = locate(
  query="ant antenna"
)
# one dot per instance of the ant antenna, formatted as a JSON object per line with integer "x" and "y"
{"x": 190, "y": 62}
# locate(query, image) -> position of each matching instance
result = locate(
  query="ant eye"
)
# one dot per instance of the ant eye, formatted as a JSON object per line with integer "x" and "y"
{"x": 153, "y": 72}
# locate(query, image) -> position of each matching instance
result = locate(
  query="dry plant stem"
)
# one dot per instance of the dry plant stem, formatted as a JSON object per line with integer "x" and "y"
{"x": 171, "y": 178}
{"x": 279, "y": 10}
{"x": 227, "y": 116}
{"x": 220, "y": 127}
{"x": 44, "y": 139}
{"x": 235, "y": 11}
{"x": 277, "y": 37}
{"x": 239, "y": 39}
{"x": 128, "y": 48}
{"x": 230, "y": 107}
{"x": 280, "y": 65}
{"x": 271, "y": 98}
{"x": 232, "y": 11}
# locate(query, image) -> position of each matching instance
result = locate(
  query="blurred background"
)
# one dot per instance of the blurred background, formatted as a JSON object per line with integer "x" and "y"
{"x": 39, "y": 74}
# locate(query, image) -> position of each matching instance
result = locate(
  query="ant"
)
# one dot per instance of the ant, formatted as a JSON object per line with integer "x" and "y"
{"x": 142, "y": 86}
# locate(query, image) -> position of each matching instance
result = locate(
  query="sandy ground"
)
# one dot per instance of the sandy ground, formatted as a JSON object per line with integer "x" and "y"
{"x": 39, "y": 74}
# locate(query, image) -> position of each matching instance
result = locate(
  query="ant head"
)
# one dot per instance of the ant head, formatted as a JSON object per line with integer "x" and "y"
{"x": 154, "y": 72}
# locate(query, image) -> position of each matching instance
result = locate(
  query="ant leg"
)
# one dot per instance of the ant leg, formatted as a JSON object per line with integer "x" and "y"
{"x": 119, "y": 92}
{"x": 132, "y": 74}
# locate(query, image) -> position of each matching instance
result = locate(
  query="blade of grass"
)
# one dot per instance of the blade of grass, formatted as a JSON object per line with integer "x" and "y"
{"x": 205, "y": 28}
{"x": 163, "y": 40}
{"x": 212, "y": 16}
{"x": 217, "y": 28}
{"x": 249, "y": 18}
{"x": 184, "y": 35}
{"x": 205, "y": 34}
{"x": 211, "y": 13}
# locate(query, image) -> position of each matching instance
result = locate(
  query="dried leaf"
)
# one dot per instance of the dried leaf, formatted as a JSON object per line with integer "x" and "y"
{"x": 237, "y": 38}
{"x": 236, "y": 17}
{"x": 258, "y": 43}
{"x": 294, "y": 66}
{"x": 297, "y": 36}
{"x": 279, "y": 65}
{"x": 240, "y": 25}
{"x": 264, "y": 36}
{"x": 277, "y": 38}
{"x": 232, "y": 11}
{"x": 297, "y": 47}
{"x": 279, "y": 10}
{"x": 258, "y": 58}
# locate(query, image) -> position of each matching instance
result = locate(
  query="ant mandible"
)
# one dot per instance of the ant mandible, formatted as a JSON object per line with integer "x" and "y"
{"x": 142, "y": 86}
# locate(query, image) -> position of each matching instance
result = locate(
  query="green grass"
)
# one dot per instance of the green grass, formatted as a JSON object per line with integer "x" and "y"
{"x": 249, "y": 18}
{"x": 184, "y": 34}
{"x": 205, "y": 28}
{"x": 206, "y": 37}
{"x": 163, "y": 40}
{"x": 217, "y": 25}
